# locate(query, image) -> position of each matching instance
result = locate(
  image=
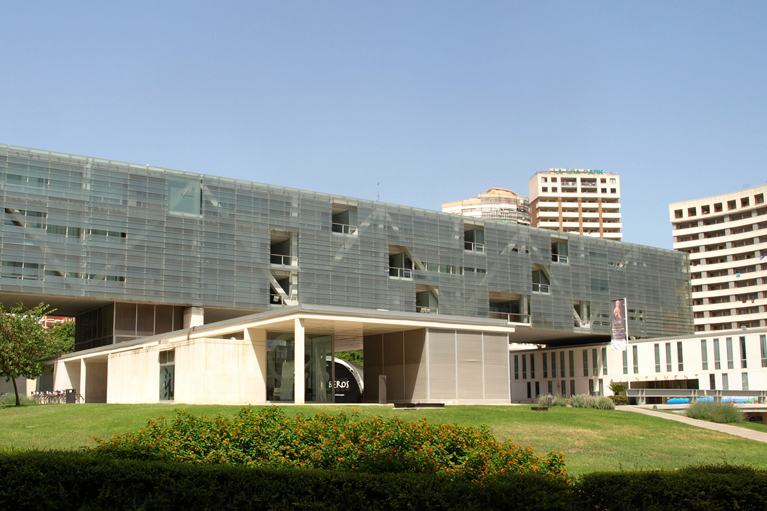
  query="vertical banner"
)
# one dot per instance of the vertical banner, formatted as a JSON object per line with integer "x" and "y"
{"x": 619, "y": 323}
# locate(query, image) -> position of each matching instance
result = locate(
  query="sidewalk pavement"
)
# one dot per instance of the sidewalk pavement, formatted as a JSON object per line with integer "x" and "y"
{"x": 723, "y": 428}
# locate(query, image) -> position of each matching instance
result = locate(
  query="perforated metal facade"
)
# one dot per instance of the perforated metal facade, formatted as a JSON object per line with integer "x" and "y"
{"x": 92, "y": 228}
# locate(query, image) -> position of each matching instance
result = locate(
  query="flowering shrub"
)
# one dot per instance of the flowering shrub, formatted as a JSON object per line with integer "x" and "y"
{"x": 339, "y": 442}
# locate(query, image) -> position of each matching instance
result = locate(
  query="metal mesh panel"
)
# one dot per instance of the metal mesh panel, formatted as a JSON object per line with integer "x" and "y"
{"x": 470, "y": 365}
{"x": 496, "y": 359}
{"x": 131, "y": 234}
{"x": 442, "y": 384}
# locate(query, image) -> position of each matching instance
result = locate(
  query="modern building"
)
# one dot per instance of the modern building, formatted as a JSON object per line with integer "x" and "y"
{"x": 215, "y": 287}
{"x": 733, "y": 361}
{"x": 496, "y": 204}
{"x": 580, "y": 201}
{"x": 726, "y": 238}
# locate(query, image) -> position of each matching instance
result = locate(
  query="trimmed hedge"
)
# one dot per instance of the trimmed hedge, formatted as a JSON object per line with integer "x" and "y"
{"x": 698, "y": 488}
{"x": 73, "y": 480}
{"x": 56, "y": 480}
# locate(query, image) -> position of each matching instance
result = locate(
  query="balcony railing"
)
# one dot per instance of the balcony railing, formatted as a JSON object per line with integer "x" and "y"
{"x": 541, "y": 288}
{"x": 402, "y": 273}
{"x": 559, "y": 258}
{"x": 474, "y": 247}
{"x": 344, "y": 228}
{"x": 427, "y": 310}
{"x": 281, "y": 259}
{"x": 511, "y": 317}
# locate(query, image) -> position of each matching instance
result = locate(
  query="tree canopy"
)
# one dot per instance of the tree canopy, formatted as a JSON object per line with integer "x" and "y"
{"x": 23, "y": 342}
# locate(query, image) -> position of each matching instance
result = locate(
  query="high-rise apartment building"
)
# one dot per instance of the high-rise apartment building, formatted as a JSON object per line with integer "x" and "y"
{"x": 496, "y": 204}
{"x": 726, "y": 237}
{"x": 581, "y": 201}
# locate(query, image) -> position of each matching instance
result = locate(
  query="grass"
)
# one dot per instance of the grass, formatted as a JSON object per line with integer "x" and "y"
{"x": 592, "y": 440}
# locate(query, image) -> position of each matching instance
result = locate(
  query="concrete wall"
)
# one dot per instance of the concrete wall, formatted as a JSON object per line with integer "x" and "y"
{"x": 221, "y": 371}
{"x": 66, "y": 375}
{"x": 134, "y": 376}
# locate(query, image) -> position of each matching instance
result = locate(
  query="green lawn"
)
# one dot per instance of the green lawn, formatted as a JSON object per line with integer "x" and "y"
{"x": 591, "y": 439}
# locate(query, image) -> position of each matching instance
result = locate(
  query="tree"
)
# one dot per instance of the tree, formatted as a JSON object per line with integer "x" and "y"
{"x": 61, "y": 339}
{"x": 23, "y": 343}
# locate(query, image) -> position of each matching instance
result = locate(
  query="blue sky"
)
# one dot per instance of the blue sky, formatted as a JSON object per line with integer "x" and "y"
{"x": 437, "y": 101}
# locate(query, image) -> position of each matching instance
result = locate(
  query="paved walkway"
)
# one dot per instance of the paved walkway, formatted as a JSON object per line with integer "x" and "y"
{"x": 723, "y": 428}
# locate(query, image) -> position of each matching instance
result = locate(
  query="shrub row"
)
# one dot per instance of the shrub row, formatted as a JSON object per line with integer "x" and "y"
{"x": 344, "y": 442}
{"x": 588, "y": 401}
{"x": 723, "y": 413}
{"x": 76, "y": 480}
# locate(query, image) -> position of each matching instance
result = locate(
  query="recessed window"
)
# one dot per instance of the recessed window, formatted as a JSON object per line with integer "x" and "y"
{"x": 731, "y": 204}
{"x": 541, "y": 282}
{"x": 344, "y": 218}
{"x": 474, "y": 238}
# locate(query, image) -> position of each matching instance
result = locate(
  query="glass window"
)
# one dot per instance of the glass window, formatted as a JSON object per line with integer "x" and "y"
{"x": 679, "y": 357}
{"x": 516, "y": 367}
{"x": 601, "y": 387}
{"x": 541, "y": 282}
{"x": 743, "y": 363}
{"x": 704, "y": 355}
{"x": 594, "y": 362}
{"x": 529, "y": 389}
{"x": 763, "y": 346}
{"x": 625, "y": 361}
{"x": 712, "y": 381}
{"x": 717, "y": 356}
{"x": 604, "y": 361}
{"x": 551, "y": 387}
{"x": 553, "y": 364}
{"x": 730, "y": 359}
{"x": 585, "y": 362}
{"x": 545, "y": 366}
{"x": 572, "y": 387}
{"x": 524, "y": 367}
{"x": 657, "y": 358}
{"x": 744, "y": 381}
{"x": 668, "y": 357}
{"x": 280, "y": 374}
{"x": 564, "y": 388}
{"x": 591, "y": 387}
{"x": 636, "y": 359}
{"x": 184, "y": 195}
{"x": 572, "y": 364}
{"x": 725, "y": 382}
{"x": 561, "y": 364}
{"x": 532, "y": 366}
{"x": 537, "y": 389}
{"x": 167, "y": 361}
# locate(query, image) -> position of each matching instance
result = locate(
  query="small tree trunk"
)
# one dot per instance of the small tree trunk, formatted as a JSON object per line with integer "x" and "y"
{"x": 16, "y": 390}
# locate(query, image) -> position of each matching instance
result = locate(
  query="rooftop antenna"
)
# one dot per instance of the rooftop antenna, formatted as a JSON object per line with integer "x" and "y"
{"x": 378, "y": 191}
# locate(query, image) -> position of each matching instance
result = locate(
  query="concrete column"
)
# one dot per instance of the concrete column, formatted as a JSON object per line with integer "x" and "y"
{"x": 299, "y": 351}
{"x": 255, "y": 372}
{"x": 83, "y": 376}
{"x": 194, "y": 316}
